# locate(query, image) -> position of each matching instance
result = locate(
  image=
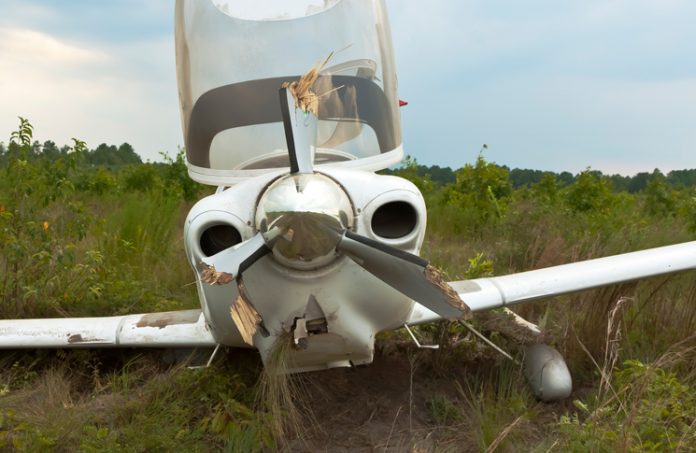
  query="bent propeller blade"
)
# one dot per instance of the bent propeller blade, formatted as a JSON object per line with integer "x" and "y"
{"x": 300, "y": 129}
{"x": 229, "y": 264}
{"x": 407, "y": 273}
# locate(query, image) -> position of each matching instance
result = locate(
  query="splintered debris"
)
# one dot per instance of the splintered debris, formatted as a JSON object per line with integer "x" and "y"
{"x": 510, "y": 325}
{"x": 280, "y": 394}
{"x": 434, "y": 276}
{"x": 245, "y": 317}
{"x": 212, "y": 277}
{"x": 301, "y": 90}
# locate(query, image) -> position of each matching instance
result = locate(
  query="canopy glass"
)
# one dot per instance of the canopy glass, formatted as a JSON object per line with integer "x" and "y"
{"x": 233, "y": 57}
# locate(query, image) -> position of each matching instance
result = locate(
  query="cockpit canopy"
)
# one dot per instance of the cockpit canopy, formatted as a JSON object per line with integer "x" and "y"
{"x": 234, "y": 55}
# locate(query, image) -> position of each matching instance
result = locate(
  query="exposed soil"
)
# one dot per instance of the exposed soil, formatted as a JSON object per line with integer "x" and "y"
{"x": 386, "y": 406}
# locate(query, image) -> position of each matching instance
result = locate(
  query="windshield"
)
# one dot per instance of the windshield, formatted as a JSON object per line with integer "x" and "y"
{"x": 230, "y": 69}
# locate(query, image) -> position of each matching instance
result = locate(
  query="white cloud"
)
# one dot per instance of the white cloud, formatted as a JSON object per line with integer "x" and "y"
{"x": 24, "y": 46}
{"x": 72, "y": 89}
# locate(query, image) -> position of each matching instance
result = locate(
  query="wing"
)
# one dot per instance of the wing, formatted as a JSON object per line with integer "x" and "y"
{"x": 186, "y": 328}
{"x": 487, "y": 293}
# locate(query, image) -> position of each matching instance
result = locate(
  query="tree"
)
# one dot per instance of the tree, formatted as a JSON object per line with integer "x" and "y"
{"x": 50, "y": 150}
{"x": 566, "y": 178}
{"x": 682, "y": 178}
{"x": 127, "y": 154}
{"x": 589, "y": 192}
{"x": 547, "y": 188}
{"x": 639, "y": 182}
{"x": 479, "y": 195}
{"x": 525, "y": 177}
{"x": 659, "y": 198}
{"x": 111, "y": 156}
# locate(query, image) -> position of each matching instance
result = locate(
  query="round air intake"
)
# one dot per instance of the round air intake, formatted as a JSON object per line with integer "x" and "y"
{"x": 394, "y": 220}
{"x": 218, "y": 238}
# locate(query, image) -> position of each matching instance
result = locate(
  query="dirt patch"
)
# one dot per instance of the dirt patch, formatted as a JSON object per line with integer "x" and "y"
{"x": 364, "y": 408}
{"x": 400, "y": 402}
{"x": 384, "y": 406}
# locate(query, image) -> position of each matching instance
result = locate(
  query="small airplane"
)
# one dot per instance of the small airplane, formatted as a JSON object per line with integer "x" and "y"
{"x": 303, "y": 244}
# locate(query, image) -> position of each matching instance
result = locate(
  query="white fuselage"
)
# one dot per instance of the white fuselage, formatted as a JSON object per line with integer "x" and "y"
{"x": 341, "y": 307}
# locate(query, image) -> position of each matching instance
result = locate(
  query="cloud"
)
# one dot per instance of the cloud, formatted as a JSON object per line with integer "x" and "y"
{"x": 20, "y": 46}
{"x": 45, "y": 78}
{"x": 547, "y": 84}
{"x": 67, "y": 88}
{"x": 550, "y": 85}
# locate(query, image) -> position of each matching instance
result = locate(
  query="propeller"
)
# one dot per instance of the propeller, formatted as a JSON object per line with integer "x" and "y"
{"x": 226, "y": 267}
{"x": 229, "y": 264}
{"x": 300, "y": 128}
{"x": 409, "y": 274}
{"x": 313, "y": 233}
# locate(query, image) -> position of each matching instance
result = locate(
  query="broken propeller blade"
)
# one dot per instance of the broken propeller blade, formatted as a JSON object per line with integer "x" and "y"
{"x": 245, "y": 316}
{"x": 407, "y": 273}
{"x": 300, "y": 129}
{"x": 228, "y": 265}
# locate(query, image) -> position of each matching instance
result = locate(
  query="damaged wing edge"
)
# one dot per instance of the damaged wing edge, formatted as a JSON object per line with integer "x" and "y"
{"x": 186, "y": 328}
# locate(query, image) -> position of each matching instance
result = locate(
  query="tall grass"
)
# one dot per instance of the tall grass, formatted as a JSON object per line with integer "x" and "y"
{"x": 79, "y": 242}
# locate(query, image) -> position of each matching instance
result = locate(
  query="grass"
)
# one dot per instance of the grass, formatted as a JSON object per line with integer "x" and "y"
{"x": 137, "y": 405}
{"x": 120, "y": 251}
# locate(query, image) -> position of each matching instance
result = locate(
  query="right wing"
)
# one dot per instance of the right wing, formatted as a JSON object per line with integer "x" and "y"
{"x": 494, "y": 292}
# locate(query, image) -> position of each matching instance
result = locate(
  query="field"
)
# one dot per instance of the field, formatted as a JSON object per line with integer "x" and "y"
{"x": 85, "y": 239}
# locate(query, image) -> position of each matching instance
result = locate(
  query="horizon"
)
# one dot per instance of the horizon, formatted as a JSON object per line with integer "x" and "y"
{"x": 397, "y": 166}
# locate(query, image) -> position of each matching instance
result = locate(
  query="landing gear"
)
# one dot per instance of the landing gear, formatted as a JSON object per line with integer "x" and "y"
{"x": 545, "y": 368}
{"x": 547, "y": 373}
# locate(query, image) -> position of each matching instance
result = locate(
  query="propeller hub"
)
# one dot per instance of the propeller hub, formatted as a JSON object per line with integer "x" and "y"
{"x": 302, "y": 218}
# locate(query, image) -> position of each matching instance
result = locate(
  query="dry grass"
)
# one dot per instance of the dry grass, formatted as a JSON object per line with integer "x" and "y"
{"x": 283, "y": 397}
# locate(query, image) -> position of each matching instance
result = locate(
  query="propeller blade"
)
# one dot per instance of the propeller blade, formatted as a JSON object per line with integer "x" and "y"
{"x": 229, "y": 264}
{"x": 407, "y": 273}
{"x": 227, "y": 267}
{"x": 300, "y": 130}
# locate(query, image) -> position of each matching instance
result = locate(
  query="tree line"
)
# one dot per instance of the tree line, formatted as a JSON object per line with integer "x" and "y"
{"x": 106, "y": 169}
{"x": 113, "y": 157}
{"x": 104, "y": 155}
{"x": 524, "y": 177}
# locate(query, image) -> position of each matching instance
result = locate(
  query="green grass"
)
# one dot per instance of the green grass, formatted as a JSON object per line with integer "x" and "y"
{"x": 112, "y": 244}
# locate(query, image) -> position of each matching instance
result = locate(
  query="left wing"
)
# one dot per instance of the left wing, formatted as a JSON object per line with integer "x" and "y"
{"x": 186, "y": 328}
{"x": 494, "y": 292}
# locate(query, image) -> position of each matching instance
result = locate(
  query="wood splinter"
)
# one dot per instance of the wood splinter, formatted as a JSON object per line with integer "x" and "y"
{"x": 245, "y": 316}
{"x": 301, "y": 90}
{"x": 435, "y": 276}
{"x": 212, "y": 277}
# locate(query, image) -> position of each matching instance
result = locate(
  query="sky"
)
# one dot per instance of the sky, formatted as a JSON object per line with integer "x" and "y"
{"x": 549, "y": 85}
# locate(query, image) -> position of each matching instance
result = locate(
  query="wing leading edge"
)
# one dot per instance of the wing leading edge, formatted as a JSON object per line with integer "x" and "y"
{"x": 494, "y": 292}
{"x": 186, "y": 328}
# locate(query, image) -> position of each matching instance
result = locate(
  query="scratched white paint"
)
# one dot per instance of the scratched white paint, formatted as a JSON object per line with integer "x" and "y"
{"x": 113, "y": 331}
